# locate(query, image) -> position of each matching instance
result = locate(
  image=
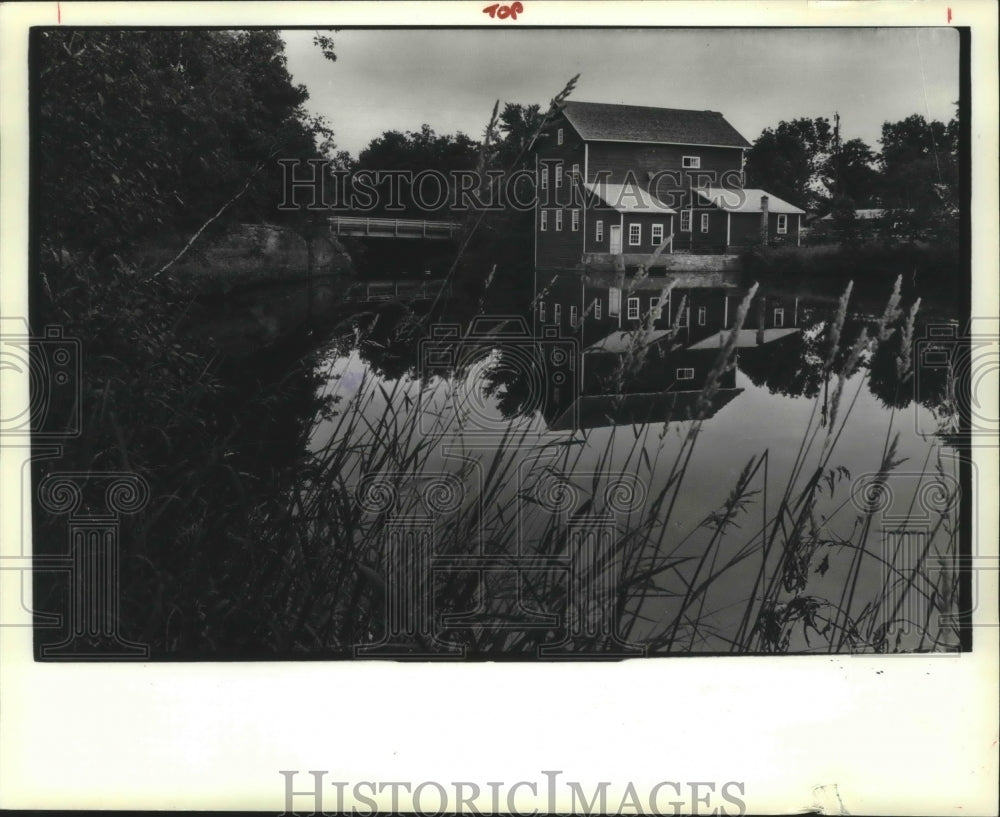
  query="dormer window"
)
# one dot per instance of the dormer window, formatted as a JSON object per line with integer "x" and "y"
{"x": 559, "y": 136}
{"x": 691, "y": 162}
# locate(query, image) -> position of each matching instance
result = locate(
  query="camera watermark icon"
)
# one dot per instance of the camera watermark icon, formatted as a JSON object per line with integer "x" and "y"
{"x": 50, "y": 365}
{"x": 957, "y": 375}
{"x": 496, "y": 353}
{"x": 566, "y": 599}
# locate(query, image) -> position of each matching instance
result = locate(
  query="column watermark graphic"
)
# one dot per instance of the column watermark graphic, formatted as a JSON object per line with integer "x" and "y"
{"x": 92, "y": 502}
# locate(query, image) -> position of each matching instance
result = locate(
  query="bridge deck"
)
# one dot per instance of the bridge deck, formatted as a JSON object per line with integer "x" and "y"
{"x": 393, "y": 227}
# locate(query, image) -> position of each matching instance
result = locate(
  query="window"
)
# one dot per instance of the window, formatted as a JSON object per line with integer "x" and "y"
{"x": 702, "y": 314}
{"x": 559, "y": 175}
{"x": 685, "y": 374}
{"x": 557, "y": 313}
{"x": 634, "y": 234}
{"x": 559, "y": 136}
{"x": 782, "y": 224}
{"x": 572, "y": 316}
{"x": 633, "y": 309}
{"x": 657, "y": 235}
{"x": 575, "y": 172}
{"x": 558, "y": 220}
{"x": 654, "y": 308}
{"x": 544, "y": 224}
{"x": 685, "y": 221}
{"x": 704, "y": 222}
{"x": 545, "y": 178}
{"x": 541, "y": 311}
{"x": 598, "y": 308}
{"x": 599, "y": 231}
{"x": 779, "y": 317}
{"x": 574, "y": 220}
{"x": 691, "y": 162}
{"x": 614, "y": 301}
{"x": 682, "y": 319}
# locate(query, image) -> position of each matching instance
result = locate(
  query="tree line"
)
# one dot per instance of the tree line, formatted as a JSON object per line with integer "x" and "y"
{"x": 914, "y": 176}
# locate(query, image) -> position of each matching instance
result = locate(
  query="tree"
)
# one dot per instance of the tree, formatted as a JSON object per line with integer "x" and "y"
{"x": 142, "y": 134}
{"x": 920, "y": 175}
{"x": 787, "y": 160}
{"x": 852, "y": 173}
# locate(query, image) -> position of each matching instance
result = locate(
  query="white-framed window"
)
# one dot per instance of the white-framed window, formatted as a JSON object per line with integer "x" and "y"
{"x": 557, "y": 313}
{"x": 779, "y": 317}
{"x": 559, "y": 175}
{"x": 614, "y": 301}
{"x": 782, "y": 223}
{"x": 541, "y": 311}
{"x": 559, "y": 136}
{"x": 633, "y": 309}
{"x": 599, "y": 231}
{"x": 598, "y": 308}
{"x": 685, "y": 374}
{"x": 685, "y": 221}
{"x": 544, "y": 178}
{"x": 704, "y": 222}
{"x": 682, "y": 319}
{"x": 558, "y": 220}
{"x": 702, "y": 315}
{"x": 654, "y": 308}
{"x": 543, "y": 225}
{"x": 574, "y": 220}
{"x": 572, "y": 316}
{"x": 634, "y": 235}
{"x": 691, "y": 162}
{"x": 575, "y": 172}
{"x": 657, "y": 234}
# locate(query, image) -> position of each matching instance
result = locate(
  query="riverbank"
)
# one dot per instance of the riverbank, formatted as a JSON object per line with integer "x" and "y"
{"x": 934, "y": 273}
{"x": 250, "y": 255}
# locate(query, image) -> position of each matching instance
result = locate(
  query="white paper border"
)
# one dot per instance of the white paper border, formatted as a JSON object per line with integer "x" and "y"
{"x": 913, "y": 735}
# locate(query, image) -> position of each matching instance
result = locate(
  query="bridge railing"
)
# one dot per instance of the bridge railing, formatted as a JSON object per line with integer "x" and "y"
{"x": 392, "y": 290}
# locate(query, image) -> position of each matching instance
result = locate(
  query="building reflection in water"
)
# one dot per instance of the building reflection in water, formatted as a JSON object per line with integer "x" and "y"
{"x": 658, "y": 366}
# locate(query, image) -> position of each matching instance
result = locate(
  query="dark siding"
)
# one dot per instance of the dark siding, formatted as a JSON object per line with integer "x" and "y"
{"x": 621, "y": 159}
{"x": 746, "y": 229}
{"x": 608, "y": 216}
{"x": 560, "y": 249}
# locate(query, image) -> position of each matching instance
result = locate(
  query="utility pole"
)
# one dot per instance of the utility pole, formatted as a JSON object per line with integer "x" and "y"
{"x": 838, "y": 181}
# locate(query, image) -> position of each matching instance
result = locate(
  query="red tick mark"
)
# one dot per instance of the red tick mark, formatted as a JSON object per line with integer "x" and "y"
{"x": 59, "y": 13}
{"x": 949, "y": 14}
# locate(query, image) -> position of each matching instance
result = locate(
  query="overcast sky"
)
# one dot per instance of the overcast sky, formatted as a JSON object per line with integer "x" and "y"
{"x": 398, "y": 80}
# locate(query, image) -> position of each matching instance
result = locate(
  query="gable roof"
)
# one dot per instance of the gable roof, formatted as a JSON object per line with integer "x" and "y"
{"x": 746, "y": 200}
{"x": 628, "y": 198}
{"x": 598, "y": 121}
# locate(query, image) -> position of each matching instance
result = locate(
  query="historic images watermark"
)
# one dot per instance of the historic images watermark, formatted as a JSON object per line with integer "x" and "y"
{"x": 92, "y": 501}
{"x": 318, "y": 185}
{"x": 546, "y": 795}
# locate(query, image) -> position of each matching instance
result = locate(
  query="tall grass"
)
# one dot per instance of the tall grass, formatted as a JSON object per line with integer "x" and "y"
{"x": 750, "y": 578}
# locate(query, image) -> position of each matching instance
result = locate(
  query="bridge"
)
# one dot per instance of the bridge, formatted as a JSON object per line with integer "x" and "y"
{"x": 393, "y": 227}
{"x": 396, "y": 290}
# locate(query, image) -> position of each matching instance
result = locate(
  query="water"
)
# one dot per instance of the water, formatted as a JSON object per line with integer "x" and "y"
{"x": 516, "y": 499}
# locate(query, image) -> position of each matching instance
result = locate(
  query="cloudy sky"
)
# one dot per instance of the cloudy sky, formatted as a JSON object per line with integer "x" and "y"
{"x": 398, "y": 80}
